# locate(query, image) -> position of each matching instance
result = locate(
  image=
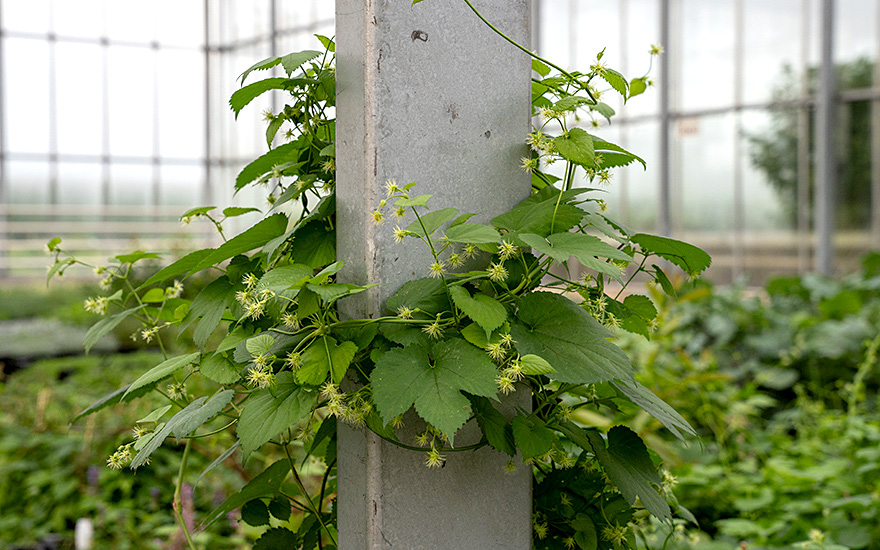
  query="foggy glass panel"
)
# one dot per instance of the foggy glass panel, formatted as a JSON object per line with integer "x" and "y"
{"x": 643, "y": 198}
{"x": 706, "y": 70}
{"x": 80, "y": 97}
{"x": 594, "y": 26}
{"x": 181, "y": 103}
{"x": 130, "y": 100}
{"x": 131, "y": 184}
{"x": 26, "y": 108}
{"x": 855, "y": 30}
{"x": 181, "y": 185}
{"x": 185, "y": 28}
{"x": 246, "y": 20}
{"x": 706, "y": 145}
{"x": 853, "y": 185}
{"x": 643, "y": 30}
{"x": 83, "y": 18}
{"x": 769, "y": 168}
{"x": 79, "y": 183}
{"x": 772, "y": 49}
{"x": 30, "y": 16}
{"x": 28, "y": 182}
{"x": 134, "y": 20}
{"x": 554, "y": 31}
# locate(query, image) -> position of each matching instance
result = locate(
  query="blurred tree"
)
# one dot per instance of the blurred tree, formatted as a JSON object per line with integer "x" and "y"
{"x": 774, "y": 152}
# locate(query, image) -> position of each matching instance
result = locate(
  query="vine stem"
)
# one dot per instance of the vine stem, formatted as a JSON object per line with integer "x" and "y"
{"x": 176, "y": 502}
{"x": 524, "y": 49}
{"x": 302, "y": 488}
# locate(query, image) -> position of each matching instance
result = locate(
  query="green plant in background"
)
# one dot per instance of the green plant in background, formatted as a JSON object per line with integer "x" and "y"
{"x": 783, "y": 392}
{"x": 271, "y": 351}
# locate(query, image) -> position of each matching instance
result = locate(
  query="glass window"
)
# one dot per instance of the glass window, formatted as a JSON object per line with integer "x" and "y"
{"x": 79, "y": 183}
{"x": 130, "y": 100}
{"x": 769, "y": 167}
{"x": 181, "y": 103}
{"x": 30, "y": 16}
{"x": 185, "y": 28}
{"x": 706, "y": 70}
{"x": 27, "y": 182}
{"x": 79, "y": 76}
{"x": 26, "y": 108}
{"x": 131, "y": 184}
{"x": 181, "y": 185}
{"x": 855, "y": 30}
{"x": 135, "y": 20}
{"x": 82, "y": 19}
{"x": 772, "y": 43}
{"x": 642, "y": 186}
{"x": 706, "y": 146}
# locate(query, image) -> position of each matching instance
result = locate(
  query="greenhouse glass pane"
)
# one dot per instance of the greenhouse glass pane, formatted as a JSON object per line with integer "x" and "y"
{"x": 643, "y": 198}
{"x": 79, "y": 183}
{"x": 769, "y": 164}
{"x": 706, "y": 146}
{"x": 772, "y": 49}
{"x": 707, "y": 39}
{"x": 81, "y": 19}
{"x": 130, "y": 100}
{"x": 181, "y": 103}
{"x": 134, "y": 20}
{"x": 26, "y": 101}
{"x": 28, "y": 182}
{"x": 855, "y": 30}
{"x": 30, "y": 16}
{"x": 80, "y": 97}
{"x": 554, "y": 31}
{"x": 181, "y": 185}
{"x": 185, "y": 28}
{"x": 643, "y": 30}
{"x": 131, "y": 184}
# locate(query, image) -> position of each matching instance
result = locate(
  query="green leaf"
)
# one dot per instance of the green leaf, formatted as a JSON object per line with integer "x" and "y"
{"x": 629, "y": 467}
{"x": 475, "y": 233}
{"x": 686, "y": 256}
{"x": 52, "y": 245}
{"x": 421, "y": 200}
{"x": 426, "y": 294}
{"x": 329, "y": 45}
{"x": 496, "y": 428}
{"x": 534, "y": 365}
{"x": 290, "y": 62}
{"x": 244, "y": 95}
{"x": 234, "y": 338}
{"x": 285, "y": 277}
{"x": 405, "y": 376}
{"x": 58, "y": 267}
{"x": 641, "y": 306}
{"x": 279, "y": 507}
{"x": 585, "y": 248}
{"x": 153, "y": 296}
{"x": 162, "y": 370}
{"x": 603, "y": 109}
{"x": 540, "y": 67}
{"x": 234, "y": 211}
{"x": 256, "y": 236}
{"x": 268, "y": 412}
{"x": 324, "y": 356}
{"x": 614, "y": 155}
{"x": 209, "y": 306}
{"x": 255, "y": 513}
{"x": 576, "y": 147}
{"x": 260, "y": 344}
{"x": 486, "y": 311}
{"x": 656, "y": 407}
{"x": 541, "y": 217}
{"x": 264, "y": 485}
{"x": 663, "y": 281}
{"x": 616, "y": 80}
{"x": 432, "y": 221}
{"x": 185, "y": 422}
{"x": 533, "y": 438}
{"x": 277, "y": 537}
{"x": 183, "y": 265}
{"x": 197, "y": 211}
{"x": 135, "y": 256}
{"x": 155, "y": 415}
{"x": 104, "y": 326}
{"x": 637, "y": 86}
{"x": 314, "y": 245}
{"x": 585, "y": 532}
{"x": 555, "y": 328}
{"x": 219, "y": 369}
{"x": 272, "y": 130}
{"x": 112, "y": 398}
{"x": 571, "y": 103}
{"x": 287, "y": 152}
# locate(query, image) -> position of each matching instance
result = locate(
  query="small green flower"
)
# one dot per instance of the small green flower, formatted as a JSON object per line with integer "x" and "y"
{"x": 434, "y": 458}
{"x": 497, "y": 272}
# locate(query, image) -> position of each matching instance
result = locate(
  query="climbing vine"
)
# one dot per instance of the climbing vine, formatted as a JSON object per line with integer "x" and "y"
{"x": 532, "y": 313}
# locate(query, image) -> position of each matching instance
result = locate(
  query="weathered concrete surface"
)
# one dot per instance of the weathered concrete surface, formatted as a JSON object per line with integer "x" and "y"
{"x": 426, "y": 94}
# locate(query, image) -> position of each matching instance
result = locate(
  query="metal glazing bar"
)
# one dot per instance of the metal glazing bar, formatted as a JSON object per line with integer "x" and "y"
{"x": 663, "y": 216}
{"x": 738, "y": 192}
{"x": 4, "y": 194}
{"x": 825, "y": 160}
{"x": 803, "y": 146}
{"x": 207, "y": 189}
{"x": 875, "y": 136}
{"x": 623, "y": 26}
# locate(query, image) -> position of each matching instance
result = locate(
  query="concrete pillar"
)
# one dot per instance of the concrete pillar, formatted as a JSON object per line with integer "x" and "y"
{"x": 427, "y": 94}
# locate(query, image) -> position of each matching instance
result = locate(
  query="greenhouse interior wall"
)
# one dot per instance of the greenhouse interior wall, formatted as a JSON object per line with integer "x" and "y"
{"x": 114, "y": 120}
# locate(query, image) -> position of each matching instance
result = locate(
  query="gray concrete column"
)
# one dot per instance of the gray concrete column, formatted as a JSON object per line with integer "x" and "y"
{"x": 427, "y": 94}
{"x": 825, "y": 160}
